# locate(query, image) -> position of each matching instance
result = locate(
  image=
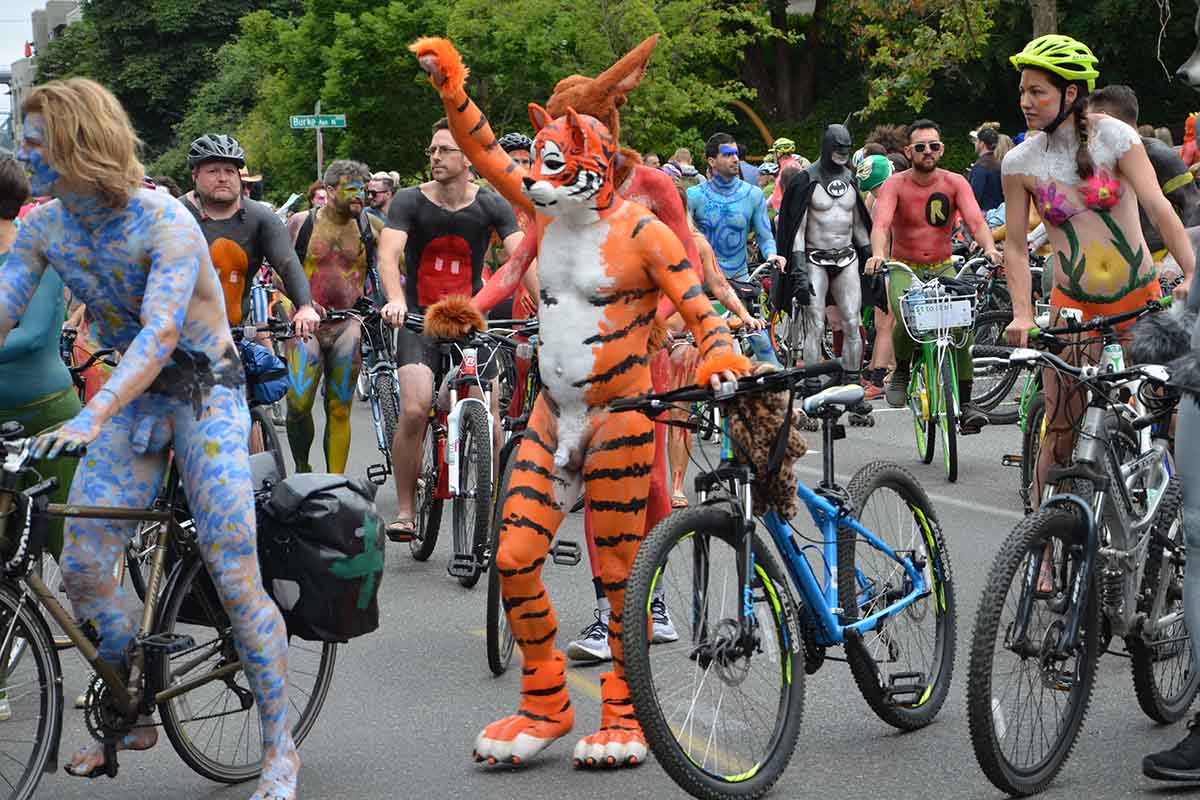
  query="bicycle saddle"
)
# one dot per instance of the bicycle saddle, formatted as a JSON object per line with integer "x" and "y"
{"x": 848, "y": 395}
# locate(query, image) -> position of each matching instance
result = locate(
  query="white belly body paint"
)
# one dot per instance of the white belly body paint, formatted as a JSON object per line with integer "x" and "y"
{"x": 571, "y": 269}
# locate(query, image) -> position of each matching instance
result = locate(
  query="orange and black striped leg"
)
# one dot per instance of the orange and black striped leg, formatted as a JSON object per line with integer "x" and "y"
{"x": 530, "y": 518}
{"x": 616, "y": 477}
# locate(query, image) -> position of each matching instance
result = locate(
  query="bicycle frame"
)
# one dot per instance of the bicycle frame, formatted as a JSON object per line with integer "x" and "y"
{"x": 820, "y": 597}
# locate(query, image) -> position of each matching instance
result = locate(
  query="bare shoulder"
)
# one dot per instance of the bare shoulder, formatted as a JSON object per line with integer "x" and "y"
{"x": 1018, "y": 161}
{"x": 1109, "y": 139}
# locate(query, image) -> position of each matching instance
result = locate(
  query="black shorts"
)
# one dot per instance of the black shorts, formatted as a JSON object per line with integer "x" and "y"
{"x": 413, "y": 348}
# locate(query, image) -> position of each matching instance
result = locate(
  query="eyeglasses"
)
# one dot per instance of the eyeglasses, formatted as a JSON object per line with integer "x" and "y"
{"x": 934, "y": 147}
{"x": 437, "y": 148}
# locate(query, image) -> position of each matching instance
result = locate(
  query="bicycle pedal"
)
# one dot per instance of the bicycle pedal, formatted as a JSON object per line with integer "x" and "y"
{"x": 377, "y": 474}
{"x": 862, "y": 421}
{"x": 462, "y": 566}
{"x": 1011, "y": 460}
{"x": 912, "y": 690}
{"x": 166, "y": 642}
{"x": 565, "y": 553}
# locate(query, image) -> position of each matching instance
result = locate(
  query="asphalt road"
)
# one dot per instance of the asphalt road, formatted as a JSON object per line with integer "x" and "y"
{"x": 408, "y": 700}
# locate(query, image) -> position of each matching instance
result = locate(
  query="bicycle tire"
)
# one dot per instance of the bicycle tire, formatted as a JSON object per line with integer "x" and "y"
{"x": 948, "y": 420}
{"x": 919, "y": 403}
{"x": 387, "y": 394}
{"x": 989, "y": 330}
{"x": 500, "y": 640}
{"x": 1164, "y": 573}
{"x": 191, "y": 600}
{"x": 1031, "y": 446}
{"x": 471, "y": 511}
{"x": 857, "y": 591}
{"x": 755, "y": 776}
{"x": 41, "y": 698}
{"x": 260, "y": 417}
{"x": 985, "y": 711}
{"x": 429, "y": 507}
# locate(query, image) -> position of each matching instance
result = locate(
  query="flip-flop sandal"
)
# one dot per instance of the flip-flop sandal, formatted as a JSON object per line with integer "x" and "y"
{"x": 105, "y": 769}
{"x": 679, "y": 501}
{"x": 402, "y": 529}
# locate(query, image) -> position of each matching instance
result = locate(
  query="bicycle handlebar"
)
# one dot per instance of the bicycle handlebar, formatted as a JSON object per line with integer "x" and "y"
{"x": 765, "y": 381}
{"x": 277, "y": 328}
{"x": 1103, "y": 323}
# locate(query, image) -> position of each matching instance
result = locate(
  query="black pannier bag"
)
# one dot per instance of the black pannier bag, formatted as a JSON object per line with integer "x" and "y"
{"x": 320, "y": 543}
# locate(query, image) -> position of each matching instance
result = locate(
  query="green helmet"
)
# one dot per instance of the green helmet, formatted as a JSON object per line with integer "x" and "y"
{"x": 1068, "y": 58}
{"x": 783, "y": 145}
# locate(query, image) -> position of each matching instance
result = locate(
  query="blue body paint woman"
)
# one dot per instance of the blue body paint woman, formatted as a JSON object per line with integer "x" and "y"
{"x": 139, "y": 261}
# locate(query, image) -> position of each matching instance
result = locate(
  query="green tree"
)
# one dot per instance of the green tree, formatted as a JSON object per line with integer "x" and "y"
{"x": 151, "y": 57}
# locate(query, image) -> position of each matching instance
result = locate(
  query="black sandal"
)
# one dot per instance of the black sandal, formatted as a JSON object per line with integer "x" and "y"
{"x": 105, "y": 769}
{"x": 402, "y": 529}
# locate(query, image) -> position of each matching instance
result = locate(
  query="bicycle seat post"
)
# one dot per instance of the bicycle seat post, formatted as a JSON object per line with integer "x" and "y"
{"x": 828, "y": 425}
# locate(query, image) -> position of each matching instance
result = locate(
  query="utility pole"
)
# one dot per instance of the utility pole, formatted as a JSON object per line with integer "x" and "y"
{"x": 320, "y": 145}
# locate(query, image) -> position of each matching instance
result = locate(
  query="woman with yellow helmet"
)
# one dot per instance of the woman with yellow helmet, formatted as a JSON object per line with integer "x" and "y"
{"x": 1086, "y": 173}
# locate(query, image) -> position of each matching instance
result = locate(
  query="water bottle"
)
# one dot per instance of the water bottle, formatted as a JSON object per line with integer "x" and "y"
{"x": 1113, "y": 357}
{"x": 260, "y": 300}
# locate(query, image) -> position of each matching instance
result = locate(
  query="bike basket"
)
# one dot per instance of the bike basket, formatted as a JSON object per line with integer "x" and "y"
{"x": 321, "y": 546}
{"x": 928, "y": 312}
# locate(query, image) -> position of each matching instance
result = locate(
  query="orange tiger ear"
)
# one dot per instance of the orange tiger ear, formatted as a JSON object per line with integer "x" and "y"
{"x": 539, "y": 116}
{"x": 579, "y": 139}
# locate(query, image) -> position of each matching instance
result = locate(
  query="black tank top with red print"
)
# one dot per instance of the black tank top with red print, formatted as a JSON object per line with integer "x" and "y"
{"x": 446, "y": 249}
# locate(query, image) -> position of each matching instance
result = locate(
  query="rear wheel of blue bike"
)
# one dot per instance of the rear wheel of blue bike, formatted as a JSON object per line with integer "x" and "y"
{"x": 721, "y": 714}
{"x": 904, "y": 663}
{"x": 920, "y": 401}
{"x": 1027, "y": 689}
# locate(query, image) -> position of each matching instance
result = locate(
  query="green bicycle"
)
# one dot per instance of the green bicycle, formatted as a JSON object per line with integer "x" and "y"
{"x": 938, "y": 314}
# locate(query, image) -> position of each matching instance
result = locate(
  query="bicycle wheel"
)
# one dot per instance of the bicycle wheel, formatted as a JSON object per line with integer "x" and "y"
{"x": 215, "y": 727}
{"x": 993, "y": 384}
{"x": 1165, "y": 679}
{"x": 920, "y": 402}
{"x": 429, "y": 507}
{"x": 903, "y": 666}
{"x": 721, "y": 717}
{"x": 500, "y": 639}
{"x": 1025, "y": 700}
{"x": 260, "y": 421}
{"x": 471, "y": 510}
{"x": 388, "y": 396}
{"x": 947, "y": 416}
{"x": 32, "y": 687}
{"x": 1031, "y": 446}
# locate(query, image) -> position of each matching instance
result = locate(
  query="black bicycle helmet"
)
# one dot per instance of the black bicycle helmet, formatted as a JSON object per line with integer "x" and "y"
{"x": 214, "y": 146}
{"x": 511, "y": 142}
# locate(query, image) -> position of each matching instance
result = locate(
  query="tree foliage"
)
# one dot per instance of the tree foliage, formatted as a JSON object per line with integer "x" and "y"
{"x": 245, "y": 66}
{"x": 152, "y": 56}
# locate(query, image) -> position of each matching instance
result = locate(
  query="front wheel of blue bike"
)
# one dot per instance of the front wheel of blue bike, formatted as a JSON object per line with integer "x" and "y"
{"x": 902, "y": 663}
{"x": 721, "y": 703}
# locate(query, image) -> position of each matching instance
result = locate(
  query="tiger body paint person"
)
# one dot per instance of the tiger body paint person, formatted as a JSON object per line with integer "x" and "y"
{"x": 603, "y": 265}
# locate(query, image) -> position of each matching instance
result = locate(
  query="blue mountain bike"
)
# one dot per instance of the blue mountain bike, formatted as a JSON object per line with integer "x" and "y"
{"x": 721, "y": 707}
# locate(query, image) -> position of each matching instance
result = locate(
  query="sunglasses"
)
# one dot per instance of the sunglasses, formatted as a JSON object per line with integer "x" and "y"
{"x": 934, "y": 147}
{"x": 437, "y": 148}
{"x": 375, "y": 192}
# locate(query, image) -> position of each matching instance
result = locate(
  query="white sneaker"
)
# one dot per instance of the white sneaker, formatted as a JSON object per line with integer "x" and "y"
{"x": 592, "y": 644}
{"x": 5, "y": 710}
{"x": 81, "y": 701}
{"x": 664, "y": 629}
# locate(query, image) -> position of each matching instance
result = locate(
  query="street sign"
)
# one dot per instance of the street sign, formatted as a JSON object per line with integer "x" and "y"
{"x": 318, "y": 120}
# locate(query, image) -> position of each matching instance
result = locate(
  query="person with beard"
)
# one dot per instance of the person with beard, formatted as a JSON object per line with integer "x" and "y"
{"x": 441, "y": 230}
{"x": 380, "y": 192}
{"x": 915, "y": 212}
{"x": 333, "y": 249}
{"x": 242, "y": 234}
{"x": 825, "y": 223}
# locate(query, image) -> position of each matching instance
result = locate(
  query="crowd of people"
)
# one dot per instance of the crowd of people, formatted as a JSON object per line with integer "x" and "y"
{"x": 162, "y": 274}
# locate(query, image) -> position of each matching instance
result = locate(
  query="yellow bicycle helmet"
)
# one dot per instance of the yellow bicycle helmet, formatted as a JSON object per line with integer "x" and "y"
{"x": 1068, "y": 58}
{"x": 783, "y": 145}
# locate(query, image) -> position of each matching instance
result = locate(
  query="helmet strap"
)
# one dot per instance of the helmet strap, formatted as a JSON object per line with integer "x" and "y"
{"x": 1063, "y": 113}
